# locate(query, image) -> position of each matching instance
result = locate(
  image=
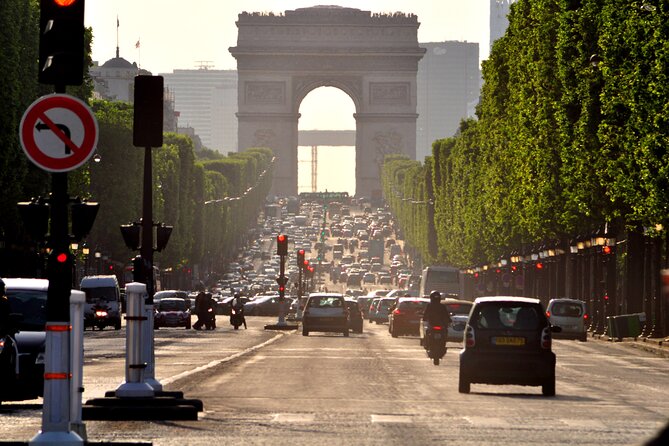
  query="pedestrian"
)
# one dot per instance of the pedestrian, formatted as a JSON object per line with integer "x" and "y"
{"x": 200, "y": 310}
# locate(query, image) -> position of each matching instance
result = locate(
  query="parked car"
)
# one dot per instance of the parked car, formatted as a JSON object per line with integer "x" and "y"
{"x": 27, "y": 299}
{"x": 405, "y": 318}
{"x": 459, "y": 310}
{"x": 508, "y": 340}
{"x": 325, "y": 312}
{"x": 571, "y": 316}
{"x": 172, "y": 312}
{"x": 265, "y": 306}
{"x": 355, "y": 320}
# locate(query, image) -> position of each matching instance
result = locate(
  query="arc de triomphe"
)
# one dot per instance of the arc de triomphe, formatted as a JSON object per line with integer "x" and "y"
{"x": 371, "y": 57}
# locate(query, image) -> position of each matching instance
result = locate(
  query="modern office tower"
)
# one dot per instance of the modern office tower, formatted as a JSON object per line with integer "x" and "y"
{"x": 499, "y": 9}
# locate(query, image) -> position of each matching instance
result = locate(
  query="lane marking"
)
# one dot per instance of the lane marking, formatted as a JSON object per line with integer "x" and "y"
{"x": 293, "y": 418}
{"x": 391, "y": 419}
{"x": 199, "y": 369}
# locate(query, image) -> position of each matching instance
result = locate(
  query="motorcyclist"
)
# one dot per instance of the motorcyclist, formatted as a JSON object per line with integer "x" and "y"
{"x": 435, "y": 315}
{"x": 238, "y": 305}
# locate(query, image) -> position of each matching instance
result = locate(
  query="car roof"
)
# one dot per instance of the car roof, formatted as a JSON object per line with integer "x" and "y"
{"x": 566, "y": 300}
{"x": 326, "y": 295}
{"x": 513, "y": 299}
{"x": 450, "y": 300}
{"x": 413, "y": 299}
{"x": 26, "y": 284}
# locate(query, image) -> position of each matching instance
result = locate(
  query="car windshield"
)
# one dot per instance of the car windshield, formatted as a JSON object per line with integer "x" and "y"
{"x": 567, "y": 309}
{"x": 105, "y": 294}
{"x": 172, "y": 305}
{"x": 325, "y": 301}
{"x": 32, "y": 305}
{"x": 507, "y": 316}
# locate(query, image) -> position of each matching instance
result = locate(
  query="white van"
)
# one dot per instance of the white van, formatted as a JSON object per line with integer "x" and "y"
{"x": 445, "y": 279}
{"x": 103, "y": 302}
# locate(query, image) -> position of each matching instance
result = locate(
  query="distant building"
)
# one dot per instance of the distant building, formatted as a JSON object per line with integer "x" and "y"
{"x": 206, "y": 100}
{"x": 449, "y": 83}
{"x": 499, "y": 22}
{"x": 115, "y": 81}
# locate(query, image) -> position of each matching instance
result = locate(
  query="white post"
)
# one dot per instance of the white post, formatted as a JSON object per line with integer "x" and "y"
{"x": 148, "y": 350}
{"x": 135, "y": 365}
{"x": 57, "y": 381}
{"x": 77, "y": 301}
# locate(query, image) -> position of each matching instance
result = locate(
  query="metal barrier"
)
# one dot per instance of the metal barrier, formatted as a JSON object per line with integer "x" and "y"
{"x": 625, "y": 325}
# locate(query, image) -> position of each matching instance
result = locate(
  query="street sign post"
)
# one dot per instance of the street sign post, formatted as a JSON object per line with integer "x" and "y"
{"x": 58, "y": 132}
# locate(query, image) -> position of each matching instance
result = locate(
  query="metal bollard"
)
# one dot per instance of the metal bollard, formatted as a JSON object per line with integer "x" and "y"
{"x": 77, "y": 301}
{"x": 135, "y": 363}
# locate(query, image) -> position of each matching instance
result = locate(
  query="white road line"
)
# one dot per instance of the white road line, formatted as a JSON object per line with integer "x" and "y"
{"x": 487, "y": 421}
{"x": 187, "y": 373}
{"x": 293, "y": 418}
{"x": 391, "y": 419}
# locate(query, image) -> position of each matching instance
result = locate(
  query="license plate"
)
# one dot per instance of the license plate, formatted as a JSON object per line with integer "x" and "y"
{"x": 508, "y": 340}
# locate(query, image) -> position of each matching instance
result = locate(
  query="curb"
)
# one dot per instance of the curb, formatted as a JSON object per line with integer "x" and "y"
{"x": 656, "y": 346}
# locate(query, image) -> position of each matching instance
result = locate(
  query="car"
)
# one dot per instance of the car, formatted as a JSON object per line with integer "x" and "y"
{"x": 173, "y": 293}
{"x": 325, "y": 312}
{"x": 363, "y": 303}
{"x": 223, "y": 305}
{"x": 292, "y": 311}
{"x": 27, "y": 299}
{"x": 265, "y": 305}
{"x": 369, "y": 278}
{"x": 508, "y": 340}
{"x": 405, "y": 318}
{"x": 459, "y": 311}
{"x": 355, "y": 320}
{"x": 172, "y": 312}
{"x": 571, "y": 316}
{"x": 383, "y": 309}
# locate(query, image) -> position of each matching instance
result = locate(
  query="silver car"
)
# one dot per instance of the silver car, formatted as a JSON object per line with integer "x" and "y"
{"x": 571, "y": 316}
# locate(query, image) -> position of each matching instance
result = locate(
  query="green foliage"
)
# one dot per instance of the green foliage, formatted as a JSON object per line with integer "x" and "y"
{"x": 560, "y": 147}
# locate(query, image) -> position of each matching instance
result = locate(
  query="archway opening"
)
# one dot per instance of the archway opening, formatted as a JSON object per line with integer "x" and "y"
{"x": 327, "y": 162}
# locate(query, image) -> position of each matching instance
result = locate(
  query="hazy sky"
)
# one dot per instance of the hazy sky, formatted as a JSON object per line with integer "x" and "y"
{"x": 186, "y": 34}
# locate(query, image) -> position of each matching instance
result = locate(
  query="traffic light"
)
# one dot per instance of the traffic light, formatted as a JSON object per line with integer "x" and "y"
{"x": 61, "y": 42}
{"x": 162, "y": 236}
{"x": 139, "y": 270}
{"x": 147, "y": 124}
{"x": 282, "y": 245}
{"x": 83, "y": 217}
{"x": 35, "y": 216}
{"x": 130, "y": 235}
{"x": 300, "y": 257}
{"x": 282, "y": 281}
{"x": 60, "y": 266}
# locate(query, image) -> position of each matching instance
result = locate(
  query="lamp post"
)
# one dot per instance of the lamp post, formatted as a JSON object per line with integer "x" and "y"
{"x": 98, "y": 259}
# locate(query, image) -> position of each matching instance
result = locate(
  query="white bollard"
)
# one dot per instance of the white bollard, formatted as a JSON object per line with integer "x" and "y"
{"x": 148, "y": 350}
{"x": 57, "y": 381}
{"x": 77, "y": 301}
{"x": 135, "y": 364}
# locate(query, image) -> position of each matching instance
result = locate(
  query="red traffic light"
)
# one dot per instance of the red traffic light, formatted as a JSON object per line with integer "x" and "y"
{"x": 282, "y": 245}
{"x": 540, "y": 265}
{"x": 606, "y": 250}
{"x": 61, "y": 258}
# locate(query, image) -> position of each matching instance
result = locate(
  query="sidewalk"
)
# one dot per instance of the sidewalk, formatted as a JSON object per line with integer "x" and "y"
{"x": 658, "y": 346}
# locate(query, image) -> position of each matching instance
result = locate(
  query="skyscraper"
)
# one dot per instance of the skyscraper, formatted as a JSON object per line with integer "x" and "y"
{"x": 499, "y": 10}
{"x": 449, "y": 81}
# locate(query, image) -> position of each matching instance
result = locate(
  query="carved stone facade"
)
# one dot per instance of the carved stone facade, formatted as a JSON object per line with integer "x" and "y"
{"x": 371, "y": 57}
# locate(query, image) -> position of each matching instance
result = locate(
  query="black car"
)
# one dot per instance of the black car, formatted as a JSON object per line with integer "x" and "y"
{"x": 265, "y": 306}
{"x": 27, "y": 299}
{"x": 508, "y": 341}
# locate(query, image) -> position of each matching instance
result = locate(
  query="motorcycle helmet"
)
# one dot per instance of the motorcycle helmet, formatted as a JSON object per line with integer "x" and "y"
{"x": 435, "y": 296}
{"x": 236, "y": 296}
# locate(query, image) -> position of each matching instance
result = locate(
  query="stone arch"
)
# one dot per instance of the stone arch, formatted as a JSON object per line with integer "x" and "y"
{"x": 373, "y": 58}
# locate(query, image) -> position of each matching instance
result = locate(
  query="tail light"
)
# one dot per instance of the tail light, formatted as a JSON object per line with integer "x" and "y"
{"x": 546, "y": 340}
{"x": 436, "y": 328}
{"x": 548, "y": 314}
{"x": 397, "y": 311}
{"x": 470, "y": 340}
{"x": 2, "y": 345}
{"x": 585, "y": 316}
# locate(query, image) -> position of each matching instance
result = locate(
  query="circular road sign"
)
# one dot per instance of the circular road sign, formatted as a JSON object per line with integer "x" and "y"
{"x": 58, "y": 132}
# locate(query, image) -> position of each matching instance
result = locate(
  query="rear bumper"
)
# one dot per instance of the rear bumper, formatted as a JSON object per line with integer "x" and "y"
{"x": 505, "y": 368}
{"x": 324, "y": 324}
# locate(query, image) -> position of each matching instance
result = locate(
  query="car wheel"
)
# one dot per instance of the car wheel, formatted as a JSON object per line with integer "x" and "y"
{"x": 345, "y": 333}
{"x": 393, "y": 333}
{"x": 188, "y": 326}
{"x": 584, "y": 337}
{"x": 117, "y": 325}
{"x": 435, "y": 361}
{"x": 548, "y": 387}
{"x": 464, "y": 386}
{"x": 305, "y": 332}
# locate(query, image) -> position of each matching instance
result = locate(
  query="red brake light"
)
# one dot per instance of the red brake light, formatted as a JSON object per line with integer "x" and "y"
{"x": 397, "y": 311}
{"x": 436, "y": 328}
{"x": 585, "y": 315}
{"x": 548, "y": 314}
{"x": 61, "y": 258}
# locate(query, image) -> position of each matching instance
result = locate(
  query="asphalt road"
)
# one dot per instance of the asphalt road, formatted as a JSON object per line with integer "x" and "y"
{"x": 265, "y": 387}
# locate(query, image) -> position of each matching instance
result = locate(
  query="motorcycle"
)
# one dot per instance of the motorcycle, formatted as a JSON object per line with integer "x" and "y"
{"x": 99, "y": 317}
{"x": 435, "y": 343}
{"x": 237, "y": 317}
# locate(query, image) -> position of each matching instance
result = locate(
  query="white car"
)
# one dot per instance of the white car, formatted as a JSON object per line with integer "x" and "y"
{"x": 571, "y": 316}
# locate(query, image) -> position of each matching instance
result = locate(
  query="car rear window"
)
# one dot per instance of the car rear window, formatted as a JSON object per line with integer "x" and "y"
{"x": 321, "y": 302}
{"x": 567, "y": 309}
{"x": 459, "y": 308}
{"x": 413, "y": 305}
{"x": 507, "y": 316}
{"x": 32, "y": 305}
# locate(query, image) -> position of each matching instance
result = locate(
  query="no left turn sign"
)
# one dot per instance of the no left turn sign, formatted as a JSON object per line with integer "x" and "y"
{"x": 58, "y": 132}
